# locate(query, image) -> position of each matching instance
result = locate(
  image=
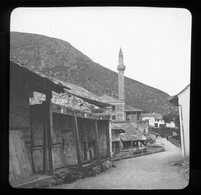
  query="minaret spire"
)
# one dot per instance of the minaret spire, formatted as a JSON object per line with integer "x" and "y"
{"x": 121, "y": 57}
{"x": 121, "y": 68}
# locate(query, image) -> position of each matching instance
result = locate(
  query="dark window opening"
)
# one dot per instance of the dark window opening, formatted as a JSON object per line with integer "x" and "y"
{"x": 113, "y": 117}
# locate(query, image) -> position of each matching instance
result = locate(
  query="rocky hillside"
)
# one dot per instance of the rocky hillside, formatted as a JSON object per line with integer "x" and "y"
{"x": 61, "y": 60}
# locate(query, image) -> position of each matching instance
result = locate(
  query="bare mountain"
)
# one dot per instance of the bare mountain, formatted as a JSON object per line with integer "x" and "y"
{"x": 61, "y": 60}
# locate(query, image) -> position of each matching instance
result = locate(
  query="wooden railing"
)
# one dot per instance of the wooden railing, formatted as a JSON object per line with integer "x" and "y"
{"x": 134, "y": 152}
{"x": 174, "y": 141}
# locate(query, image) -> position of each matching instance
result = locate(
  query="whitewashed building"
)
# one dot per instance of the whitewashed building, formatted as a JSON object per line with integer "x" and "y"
{"x": 182, "y": 100}
{"x": 171, "y": 124}
{"x": 155, "y": 119}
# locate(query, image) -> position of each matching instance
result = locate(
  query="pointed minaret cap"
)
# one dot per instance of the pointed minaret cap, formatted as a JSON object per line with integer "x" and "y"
{"x": 120, "y": 52}
{"x": 121, "y": 66}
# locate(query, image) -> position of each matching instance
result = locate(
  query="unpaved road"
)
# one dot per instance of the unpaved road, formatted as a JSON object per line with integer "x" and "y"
{"x": 146, "y": 172}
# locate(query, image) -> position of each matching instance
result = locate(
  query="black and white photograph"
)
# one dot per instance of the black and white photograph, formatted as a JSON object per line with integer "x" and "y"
{"x": 99, "y": 97}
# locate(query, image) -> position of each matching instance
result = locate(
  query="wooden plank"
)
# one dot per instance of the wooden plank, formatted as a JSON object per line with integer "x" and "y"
{"x": 22, "y": 154}
{"x": 11, "y": 169}
{"x": 13, "y": 158}
{"x": 97, "y": 140}
{"x": 32, "y": 141}
{"x": 18, "y": 152}
{"x": 11, "y": 175}
{"x": 108, "y": 138}
{"x": 77, "y": 141}
{"x": 49, "y": 130}
{"x": 58, "y": 158}
{"x": 44, "y": 140}
{"x": 26, "y": 167}
{"x": 38, "y": 159}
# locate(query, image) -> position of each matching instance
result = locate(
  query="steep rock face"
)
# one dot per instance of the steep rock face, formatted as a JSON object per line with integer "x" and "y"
{"x": 61, "y": 60}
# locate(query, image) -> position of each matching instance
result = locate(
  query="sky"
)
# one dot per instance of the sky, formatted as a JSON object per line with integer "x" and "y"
{"x": 156, "y": 42}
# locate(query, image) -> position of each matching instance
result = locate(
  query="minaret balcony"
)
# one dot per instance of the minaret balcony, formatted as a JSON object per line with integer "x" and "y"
{"x": 121, "y": 67}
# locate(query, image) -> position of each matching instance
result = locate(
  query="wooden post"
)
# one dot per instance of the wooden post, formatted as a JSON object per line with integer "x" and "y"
{"x": 44, "y": 139}
{"x": 77, "y": 141}
{"x": 97, "y": 140}
{"x": 32, "y": 141}
{"x": 49, "y": 130}
{"x": 109, "y": 139}
{"x": 132, "y": 144}
{"x": 138, "y": 117}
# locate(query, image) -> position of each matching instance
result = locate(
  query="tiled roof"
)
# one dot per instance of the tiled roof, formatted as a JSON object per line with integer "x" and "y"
{"x": 154, "y": 115}
{"x": 131, "y": 133}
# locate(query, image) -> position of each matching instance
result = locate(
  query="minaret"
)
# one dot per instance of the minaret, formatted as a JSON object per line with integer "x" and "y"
{"x": 121, "y": 68}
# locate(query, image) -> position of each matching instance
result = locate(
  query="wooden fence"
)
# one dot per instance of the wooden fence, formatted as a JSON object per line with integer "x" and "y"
{"x": 174, "y": 141}
{"x": 129, "y": 153}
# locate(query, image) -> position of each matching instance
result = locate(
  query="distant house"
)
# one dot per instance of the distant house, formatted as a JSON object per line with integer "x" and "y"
{"x": 182, "y": 100}
{"x": 132, "y": 113}
{"x": 171, "y": 124}
{"x": 116, "y": 137}
{"x": 117, "y": 108}
{"x": 51, "y": 128}
{"x": 155, "y": 120}
{"x": 132, "y": 137}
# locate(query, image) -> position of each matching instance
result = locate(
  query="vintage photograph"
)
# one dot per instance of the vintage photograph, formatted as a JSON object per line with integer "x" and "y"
{"x": 99, "y": 97}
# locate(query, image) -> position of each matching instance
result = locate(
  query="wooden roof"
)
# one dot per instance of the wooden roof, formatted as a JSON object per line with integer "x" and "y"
{"x": 84, "y": 94}
{"x": 131, "y": 133}
{"x": 37, "y": 80}
{"x": 41, "y": 83}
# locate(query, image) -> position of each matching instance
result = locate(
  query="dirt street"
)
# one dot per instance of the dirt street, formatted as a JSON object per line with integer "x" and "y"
{"x": 146, "y": 172}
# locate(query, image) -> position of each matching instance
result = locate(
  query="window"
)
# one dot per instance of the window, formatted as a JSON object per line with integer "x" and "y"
{"x": 113, "y": 107}
{"x": 113, "y": 117}
{"x": 156, "y": 124}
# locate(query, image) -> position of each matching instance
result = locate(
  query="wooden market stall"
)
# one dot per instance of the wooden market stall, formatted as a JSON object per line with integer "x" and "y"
{"x": 47, "y": 136}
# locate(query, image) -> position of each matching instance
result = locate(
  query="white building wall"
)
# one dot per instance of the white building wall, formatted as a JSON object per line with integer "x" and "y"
{"x": 152, "y": 121}
{"x": 184, "y": 113}
{"x": 170, "y": 125}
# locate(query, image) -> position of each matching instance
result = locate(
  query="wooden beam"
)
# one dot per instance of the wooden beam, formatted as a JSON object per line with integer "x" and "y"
{"x": 109, "y": 139}
{"x": 44, "y": 138}
{"x": 97, "y": 140}
{"x": 49, "y": 130}
{"x": 32, "y": 141}
{"x": 77, "y": 141}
